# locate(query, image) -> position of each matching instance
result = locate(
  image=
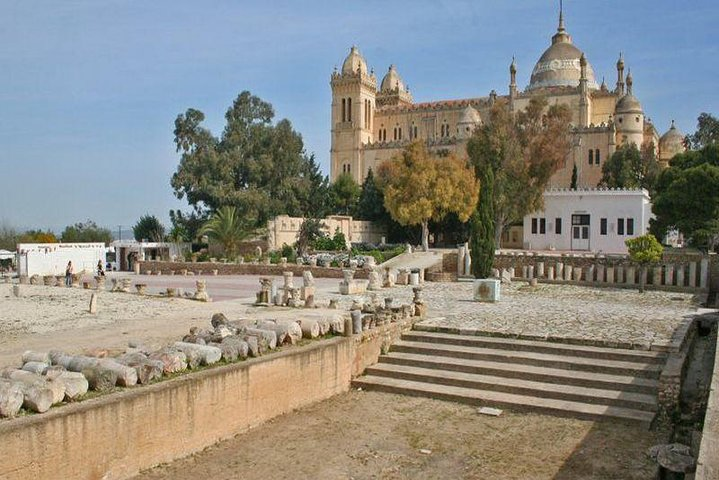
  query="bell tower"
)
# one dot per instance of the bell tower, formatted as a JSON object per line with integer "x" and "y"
{"x": 354, "y": 91}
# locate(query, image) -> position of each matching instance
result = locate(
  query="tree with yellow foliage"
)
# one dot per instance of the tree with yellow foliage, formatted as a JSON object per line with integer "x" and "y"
{"x": 420, "y": 186}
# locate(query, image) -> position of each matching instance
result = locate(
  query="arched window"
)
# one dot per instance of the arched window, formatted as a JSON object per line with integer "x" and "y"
{"x": 344, "y": 110}
{"x": 596, "y": 156}
{"x": 591, "y": 156}
{"x": 400, "y": 132}
{"x": 395, "y": 133}
{"x": 349, "y": 109}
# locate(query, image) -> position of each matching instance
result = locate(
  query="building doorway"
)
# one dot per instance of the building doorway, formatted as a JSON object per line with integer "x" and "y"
{"x": 580, "y": 232}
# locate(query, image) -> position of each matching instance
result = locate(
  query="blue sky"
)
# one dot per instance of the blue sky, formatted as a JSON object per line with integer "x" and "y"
{"x": 90, "y": 89}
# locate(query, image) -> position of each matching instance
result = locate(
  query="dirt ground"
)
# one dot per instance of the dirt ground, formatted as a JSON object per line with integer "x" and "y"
{"x": 370, "y": 435}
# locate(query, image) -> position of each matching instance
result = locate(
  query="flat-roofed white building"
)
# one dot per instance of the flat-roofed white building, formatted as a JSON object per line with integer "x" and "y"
{"x": 597, "y": 220}
{"x": 52, "y": 258}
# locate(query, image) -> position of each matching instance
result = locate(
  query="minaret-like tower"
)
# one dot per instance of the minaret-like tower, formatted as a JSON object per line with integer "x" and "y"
{"x": 354, "y": 91}
{"x": 619, "y": 90}
{"x": 630, "y": 117}
{"x": 584, "y": 101}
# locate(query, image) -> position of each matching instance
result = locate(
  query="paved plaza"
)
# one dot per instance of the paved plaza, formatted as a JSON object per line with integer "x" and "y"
{"x": 554, "y": 311}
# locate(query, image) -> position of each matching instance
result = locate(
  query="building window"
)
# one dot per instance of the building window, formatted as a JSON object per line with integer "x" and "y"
{"x": 602, "y": 226}
{"x": 558, "y": 226}
{"x": 534, "y": 226}
{"x": 395, "y": 133}
{"x": 596, "y": 156}
{"x": 620, "y": 226}
{"x": 400, "y": 132}
{"x": 344, "y": 110}
{"x": 630, "y": 226}
{"x": 349, "y": 109}
{"x": 542, "y": 226}
{"x": 591, "y": 156}
{"x": 414, "y": 129}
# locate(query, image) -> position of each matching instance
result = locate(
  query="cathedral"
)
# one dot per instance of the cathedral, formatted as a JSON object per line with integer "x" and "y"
{"x": 372, "y": 122}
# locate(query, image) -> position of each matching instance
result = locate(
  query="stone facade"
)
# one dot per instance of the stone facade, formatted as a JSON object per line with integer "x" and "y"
{"x": 372, "y": 121}
{"x": 283, "y": 230}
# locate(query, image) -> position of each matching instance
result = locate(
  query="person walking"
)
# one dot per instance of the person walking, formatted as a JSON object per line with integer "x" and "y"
{"x": 100, "y": 270}
{"x": 68, "y": 274}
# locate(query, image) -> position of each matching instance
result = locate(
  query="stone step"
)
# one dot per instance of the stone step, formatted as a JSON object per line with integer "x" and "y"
{"x": 566, "y": 362}
{"x": 637, "y": 401}
{"x": 627, "y": 383}
{"x": 504, "y": 343}
{"x": 503, "y": 400}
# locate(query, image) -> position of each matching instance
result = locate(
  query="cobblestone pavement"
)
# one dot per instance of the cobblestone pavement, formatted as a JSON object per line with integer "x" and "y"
{"x": 607, "y": 316}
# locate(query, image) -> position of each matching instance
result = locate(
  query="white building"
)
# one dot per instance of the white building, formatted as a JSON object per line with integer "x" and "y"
{"x": 52, "y": 258}
{"x": 597, "y": 220}
{"x": 129, "y": 251}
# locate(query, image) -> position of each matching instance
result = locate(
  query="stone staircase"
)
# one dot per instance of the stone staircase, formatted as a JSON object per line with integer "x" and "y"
{"x": 555, "y": 378}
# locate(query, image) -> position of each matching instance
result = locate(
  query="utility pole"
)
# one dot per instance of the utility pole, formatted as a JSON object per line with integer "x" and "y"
{"x": 119, "y": 232}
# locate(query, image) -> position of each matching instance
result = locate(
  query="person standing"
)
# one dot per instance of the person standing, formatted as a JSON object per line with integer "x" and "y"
{"x": 100, "y": 270}
{"x": 68, "y": 274}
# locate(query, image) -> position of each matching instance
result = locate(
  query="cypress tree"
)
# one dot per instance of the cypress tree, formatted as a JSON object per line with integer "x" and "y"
{"x": 573, "y": 184}
{"x": 481, "y": 241}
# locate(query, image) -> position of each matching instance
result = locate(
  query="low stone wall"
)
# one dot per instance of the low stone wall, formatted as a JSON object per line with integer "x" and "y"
{"x": 118, "y": 435}
{"x": 670, "y": 380}
{"x": 206, "y": 268}
{"x": 708, "y": 459}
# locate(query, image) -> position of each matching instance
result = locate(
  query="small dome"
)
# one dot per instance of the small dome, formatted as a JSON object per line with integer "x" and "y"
{"x": 354, "y": 62}
{"x": 671, "y": 142}
{"x": 470, "y": 116}
{"x": 392, "y": 80}
{"x": 629, "y": 104}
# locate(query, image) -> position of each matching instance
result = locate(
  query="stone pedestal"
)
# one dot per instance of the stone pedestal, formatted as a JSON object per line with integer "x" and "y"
{"x": 403, "y": 277}
{"x": 306, "y": 292}
{"x": 669, "y": 274}
{"x": 568, "y": 273}
{"x": 692, "y": 274}
{"x": 550, "y": 273}
{"x": 631, "y": 276}
{"x": 600, "y": 273}
{"x": 680, "y": 275}
{"x": 264, "y": 295}
{"x": 374, "y": 281}
{"x": 136, "y": 268}
{"x": 619, "y": 274}
{"x": 610, "y": 274}
{"x": 540, "y": 270}
{"x": 201, "y": 292}
{"x": 704, "y": 274}
{"x": 353, "y": 287}
{"x": 525, "y": 271}
{"x": 414, "y": 279}
{"x": 486, "y": 290}
{"x": 559, "y": 270}
{"x": 530, "y": 272}
{"x": 388, "y": 278}
{"x": 510, "y": 271}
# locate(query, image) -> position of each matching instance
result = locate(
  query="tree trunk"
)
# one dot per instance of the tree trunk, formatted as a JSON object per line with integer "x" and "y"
{"x": 425, "y": 235}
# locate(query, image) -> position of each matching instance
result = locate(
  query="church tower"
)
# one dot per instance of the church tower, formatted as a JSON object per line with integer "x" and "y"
{"x": 629, "y": 117}
{"x": 354, "y": 91}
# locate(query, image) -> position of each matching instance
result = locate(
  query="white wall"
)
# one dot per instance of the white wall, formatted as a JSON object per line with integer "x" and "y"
{"x": 598, "y": 204}
{"x": 52, "y": 258}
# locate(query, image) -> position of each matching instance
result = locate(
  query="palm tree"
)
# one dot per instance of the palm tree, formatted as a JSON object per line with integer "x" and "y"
{"x": 227, "y": 227}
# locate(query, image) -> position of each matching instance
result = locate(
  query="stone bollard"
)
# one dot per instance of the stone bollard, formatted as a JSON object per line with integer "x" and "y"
{"x": 532, "y": 282}
{"x": 201, "y": 293}
{"x": 540, "y": 270}
{"x": 414, "y": 279}
{"x": 631, "y": 276}
{"x": 568, "y": 273}
{"x": 680, "y": 275}
{"x": 550, "y": 272}
{"x": 657, "y": 275}
{"x": 619, "y": 274}
{"x": 610, "y": 274}
{"x": 704, "y": 274}
{"x": 577, "y": 274}
{"x": 669, "y": 274}
{"x": 356, "y": 321}
{"x": 589, "y": 274}
{"x": 692, "y": 274}
{"x": 559, "y": 270}
{"x": 600, "y": 273}
{"x": 16, "y": 290}
{"x": 136, "y": 268}
{"x": 525, "y": 271}
{"x": 93, "y": 303}
{"x": 530, "y": 272}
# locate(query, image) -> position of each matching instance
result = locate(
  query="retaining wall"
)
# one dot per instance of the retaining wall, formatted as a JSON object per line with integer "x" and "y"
{"x": 118, "y": 435}
{"x": 708, "y": 459}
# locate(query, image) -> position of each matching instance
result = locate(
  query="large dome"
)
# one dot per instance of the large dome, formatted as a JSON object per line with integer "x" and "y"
{"x": 559, "y": 64}
{"x": 354, "y": 62}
